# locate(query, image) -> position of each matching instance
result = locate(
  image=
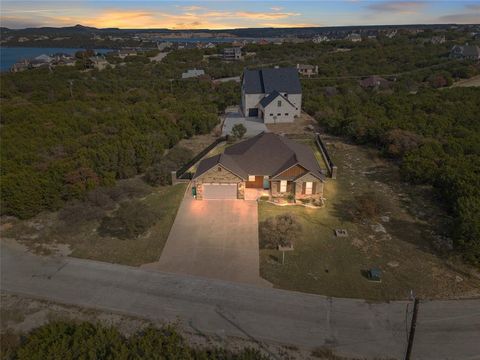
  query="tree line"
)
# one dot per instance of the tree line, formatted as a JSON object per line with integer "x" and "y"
{"x": 435, "y": 134}
{"x": 65, "y": 132}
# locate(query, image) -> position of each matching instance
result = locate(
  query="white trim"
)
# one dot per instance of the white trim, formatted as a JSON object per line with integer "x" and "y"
{"x": 251, "y": 177}
{"x": 283, "y": 186}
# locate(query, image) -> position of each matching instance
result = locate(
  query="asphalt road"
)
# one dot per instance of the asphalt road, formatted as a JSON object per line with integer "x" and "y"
{"x": 352, "y": 327}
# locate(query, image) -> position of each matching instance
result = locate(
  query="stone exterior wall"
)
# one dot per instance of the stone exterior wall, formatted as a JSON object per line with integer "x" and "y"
{"x": 275, "y": 186}
{"x": 215, "y": 176}
{"x": 317, "y": 191}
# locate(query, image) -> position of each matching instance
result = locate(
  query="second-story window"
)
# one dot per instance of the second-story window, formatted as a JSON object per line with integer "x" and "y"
{"x": 279, "y": 103}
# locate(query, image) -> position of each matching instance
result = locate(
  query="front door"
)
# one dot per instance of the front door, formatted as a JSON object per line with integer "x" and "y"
{"x": 266, "y": 183}
{"x": 257, "y": 184}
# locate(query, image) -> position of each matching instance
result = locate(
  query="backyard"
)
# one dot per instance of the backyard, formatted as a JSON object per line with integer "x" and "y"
{"x": 397, "y": 236}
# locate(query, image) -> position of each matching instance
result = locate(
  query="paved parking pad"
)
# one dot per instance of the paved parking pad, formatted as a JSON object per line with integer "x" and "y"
{"x": 215, "y": 239}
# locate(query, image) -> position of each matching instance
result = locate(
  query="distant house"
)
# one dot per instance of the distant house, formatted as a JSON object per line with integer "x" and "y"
{"x": 437, "y": 40}
{"x": 354, "y": 37}
{"x": 273, "y": 95}
{"x": 210, "y": 45}
{"x": 97, "y": 62}
{"x": 20, "y": 66}
{"x": 193, "y": 73}
{"x": 43, "y": 58}
{"x": 320, "y": 38}
{"x": 122, "y": 54}
{"x": 466, "y": 52}
{"x": 232, "y": 53}
{"x": 307, "y": 70}
{"x": 164, "y": 45}
{"x": 375, "y": 82}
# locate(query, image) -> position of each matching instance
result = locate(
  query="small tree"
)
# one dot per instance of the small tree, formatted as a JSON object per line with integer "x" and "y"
{"x": 238, "y": 131}
{"x": 279, "y": 231}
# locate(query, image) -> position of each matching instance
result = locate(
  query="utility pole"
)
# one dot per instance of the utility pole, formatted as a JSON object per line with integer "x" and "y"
{"x": 413, "y": 324}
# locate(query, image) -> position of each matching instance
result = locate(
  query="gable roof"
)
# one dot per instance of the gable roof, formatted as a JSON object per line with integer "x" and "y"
{"x": 269, "y": 98}
{"x": 265, "y": 154}
{"x": 265, "y": 81}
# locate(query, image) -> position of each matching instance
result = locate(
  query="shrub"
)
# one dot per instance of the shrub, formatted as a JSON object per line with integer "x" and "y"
{"x": 366, "y": 206}
{"x": 79, "y": 212}
{"x": 160, "y": 173}
{"x": 132, "y": 219}
{"x": 68, "y": 340}
{"x": 279, "y": 231}
{"x": 238, "y": 131}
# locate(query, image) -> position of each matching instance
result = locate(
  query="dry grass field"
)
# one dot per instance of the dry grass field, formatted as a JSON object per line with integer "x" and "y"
{"x": 405, "y": 239}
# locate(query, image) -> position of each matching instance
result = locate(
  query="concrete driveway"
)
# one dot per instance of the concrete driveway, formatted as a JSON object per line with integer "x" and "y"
{"x": 215, "y": 239}
{"x": 254, "y": 126}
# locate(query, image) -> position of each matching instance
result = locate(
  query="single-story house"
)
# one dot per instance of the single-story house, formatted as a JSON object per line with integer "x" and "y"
{"x": 266, "y": 163}
{"x": 273, "y": 95}
{"x": 376, "y": 82}
{"x": 307, "y": 70}
{"x": 193, "y": 73}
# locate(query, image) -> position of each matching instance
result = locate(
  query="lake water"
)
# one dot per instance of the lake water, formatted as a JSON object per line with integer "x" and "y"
{"x": 10, "y": 55}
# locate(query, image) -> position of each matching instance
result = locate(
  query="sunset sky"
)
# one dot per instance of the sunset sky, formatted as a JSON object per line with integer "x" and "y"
{"x": 233, "y": 14}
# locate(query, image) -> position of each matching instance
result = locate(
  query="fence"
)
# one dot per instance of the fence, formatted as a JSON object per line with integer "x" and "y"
{"x": 332, "y": 168}
{"x": 181, "y": 175}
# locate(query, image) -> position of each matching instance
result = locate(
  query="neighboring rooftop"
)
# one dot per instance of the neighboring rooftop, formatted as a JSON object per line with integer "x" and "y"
{"x": 264, "y": 154}
{"x": 265, "y": 81}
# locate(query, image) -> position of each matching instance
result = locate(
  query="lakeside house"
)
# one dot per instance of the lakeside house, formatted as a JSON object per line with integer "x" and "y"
{"x": 21, "y": 65}
{"x": 122, "y": 54}
{"x": 97, "y": 62}
{"x": 193, "y": 73}
{"x": 273, "y": 94}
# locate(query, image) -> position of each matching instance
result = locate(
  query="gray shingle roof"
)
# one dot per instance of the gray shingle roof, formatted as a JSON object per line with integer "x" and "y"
{"x": 265, "y": 81}
{"x": 268, "y": 99}
{"x": 265, "y": 154}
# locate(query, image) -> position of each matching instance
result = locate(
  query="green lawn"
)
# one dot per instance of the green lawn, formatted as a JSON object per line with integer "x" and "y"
{"x": 398, "y": 240}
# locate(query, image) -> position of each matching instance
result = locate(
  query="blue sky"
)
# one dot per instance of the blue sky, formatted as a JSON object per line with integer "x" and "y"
{"x": 234, "y": 14}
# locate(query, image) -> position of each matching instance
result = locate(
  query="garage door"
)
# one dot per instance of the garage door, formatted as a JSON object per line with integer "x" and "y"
{"x": 219, "y": 191}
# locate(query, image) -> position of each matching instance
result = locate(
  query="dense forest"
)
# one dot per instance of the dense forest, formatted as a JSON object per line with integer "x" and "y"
{"x": 71, "y": 340}
{"x": 435, "y": 134}
{"x": 68, "y": 131}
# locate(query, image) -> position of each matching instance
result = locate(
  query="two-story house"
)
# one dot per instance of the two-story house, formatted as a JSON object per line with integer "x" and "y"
{"x": 273, "y": 95}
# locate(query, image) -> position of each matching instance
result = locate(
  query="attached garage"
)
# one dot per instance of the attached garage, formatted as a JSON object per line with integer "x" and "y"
{"x": 219, "y": 191}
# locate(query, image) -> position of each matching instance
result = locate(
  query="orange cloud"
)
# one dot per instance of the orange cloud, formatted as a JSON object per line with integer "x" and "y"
{"x": 193, "y": 17}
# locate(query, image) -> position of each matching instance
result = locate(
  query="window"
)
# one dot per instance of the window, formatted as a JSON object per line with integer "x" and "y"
{"x": 251, "y": 177}
{"x": 279, "y": 103}
{"x": 219, "y": 168}
{"x": 279, "y": 114}
{"x": 308, "y": 187}
{"x": 271, "y": 114}
{"x": 283, "y": 186}
{"x": 286, "y": 114}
